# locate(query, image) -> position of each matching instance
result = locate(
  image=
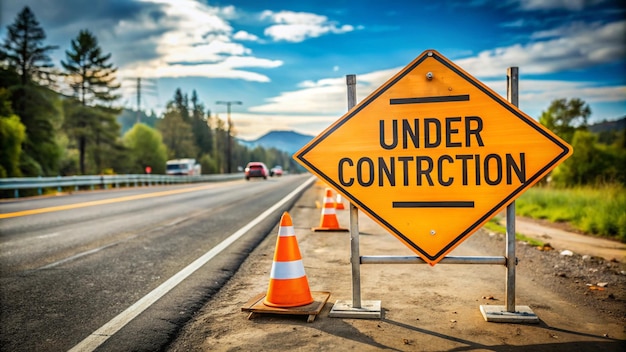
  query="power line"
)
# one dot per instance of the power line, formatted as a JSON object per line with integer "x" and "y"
{"x": 148, "y": 85}
{"x": 228, "y": 147}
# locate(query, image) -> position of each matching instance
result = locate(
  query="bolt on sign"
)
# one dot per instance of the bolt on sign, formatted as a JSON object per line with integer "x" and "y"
{"x": 432, "y": 155}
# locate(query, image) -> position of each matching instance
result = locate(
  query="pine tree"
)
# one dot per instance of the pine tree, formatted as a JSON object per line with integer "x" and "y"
{"x": 177, "y": 134}
{"x": 26, "y": 70}
{"x": 92, "y": 79}
{"x": 23, "y": 50}
{"x": 91, "y": 76}
{"x": 181, "y": 103}
{"x": 201, "y": 130}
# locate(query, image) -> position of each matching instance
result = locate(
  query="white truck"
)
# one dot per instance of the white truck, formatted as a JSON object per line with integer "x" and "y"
{"x": 186, "y": 166}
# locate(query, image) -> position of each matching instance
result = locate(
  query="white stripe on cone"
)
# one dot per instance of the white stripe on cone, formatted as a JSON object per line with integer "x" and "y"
{"x": 328, "y": 211}
{"x": 287, "y": 270}
{"x": 286, "y": 231}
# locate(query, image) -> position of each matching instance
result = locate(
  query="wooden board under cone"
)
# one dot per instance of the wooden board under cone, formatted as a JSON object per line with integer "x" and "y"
{"x": 255, "y": 306}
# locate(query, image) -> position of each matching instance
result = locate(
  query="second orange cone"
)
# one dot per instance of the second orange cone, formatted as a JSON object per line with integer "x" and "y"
{"x": 329, "y": 220}
{"x": 288, "y": 285}
{"x": 339, "y": 203}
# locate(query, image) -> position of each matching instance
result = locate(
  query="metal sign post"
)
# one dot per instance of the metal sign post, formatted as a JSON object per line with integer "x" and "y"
{"x": 430, "y": 144}
{"x": 510, "y": 313}
{"x": 512, "y": 95}
{"x": 355, "y": 308}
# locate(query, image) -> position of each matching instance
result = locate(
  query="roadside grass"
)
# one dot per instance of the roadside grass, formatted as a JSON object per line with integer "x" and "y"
{"x": 598, "y": 211}
{"x": 494, "y": 226}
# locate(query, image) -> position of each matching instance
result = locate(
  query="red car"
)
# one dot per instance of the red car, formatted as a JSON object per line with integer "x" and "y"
{"x": 256, "y": 169}
{"x": 276, "y": 171}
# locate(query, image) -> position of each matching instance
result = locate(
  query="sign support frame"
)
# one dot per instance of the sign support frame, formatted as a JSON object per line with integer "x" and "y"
{"x": 509, "y": 313}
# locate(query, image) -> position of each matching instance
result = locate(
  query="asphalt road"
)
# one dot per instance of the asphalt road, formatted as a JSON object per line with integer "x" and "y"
{"x": 70, "y": 264}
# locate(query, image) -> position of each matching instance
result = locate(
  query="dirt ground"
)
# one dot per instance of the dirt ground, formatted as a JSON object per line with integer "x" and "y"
{"x": 579, "y": 299}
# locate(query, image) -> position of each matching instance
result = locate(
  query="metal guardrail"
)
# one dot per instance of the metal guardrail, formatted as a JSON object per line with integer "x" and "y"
{"x": 104, "y": 181}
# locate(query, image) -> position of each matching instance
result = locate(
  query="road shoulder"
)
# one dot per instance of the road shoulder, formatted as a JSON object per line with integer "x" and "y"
{"x": 425, "y": 308}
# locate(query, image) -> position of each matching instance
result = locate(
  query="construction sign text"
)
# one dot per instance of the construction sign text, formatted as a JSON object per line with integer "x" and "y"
{"x": 457, "y": 132}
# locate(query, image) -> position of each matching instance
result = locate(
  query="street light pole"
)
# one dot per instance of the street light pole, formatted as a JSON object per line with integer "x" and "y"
{"x": 228, "y": 147}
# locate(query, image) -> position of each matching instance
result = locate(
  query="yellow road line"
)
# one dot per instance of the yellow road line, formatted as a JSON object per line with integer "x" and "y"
{"x": 100, "y": 202}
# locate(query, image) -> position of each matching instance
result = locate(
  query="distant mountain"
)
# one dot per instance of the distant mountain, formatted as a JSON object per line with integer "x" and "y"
{"x": 288, "y": 141}
{"x": 609, "y": 132}
{"x": 604, "y": 126}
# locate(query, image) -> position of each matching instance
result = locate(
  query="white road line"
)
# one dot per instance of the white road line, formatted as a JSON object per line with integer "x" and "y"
{"x": 76, "y": 256}
{"x": 19, "y": 241}
{"x": 99, "y": 336}
{"x": 177, "y": 221}
{"x": 96, "y": 250}
{"x": 50, "y": 235}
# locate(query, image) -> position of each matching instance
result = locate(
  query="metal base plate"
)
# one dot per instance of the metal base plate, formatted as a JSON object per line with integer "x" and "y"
{"x": 499, "y": 314}
{"x": 368, "y": 310}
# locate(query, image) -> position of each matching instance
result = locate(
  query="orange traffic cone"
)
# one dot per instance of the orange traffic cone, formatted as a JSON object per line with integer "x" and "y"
{"x": 288, "y": 286}
{"x": 339, "y": 203}
{"x": 329, "y": 220}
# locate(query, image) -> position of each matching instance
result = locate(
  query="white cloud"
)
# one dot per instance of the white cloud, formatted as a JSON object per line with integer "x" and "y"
{"x": 326, "y": 99}
{"x": 298, "y": 26}
{"x": 571, "y": 5}
{"x": 575, "y": 46}
{"x": 290, "y": 17}
{"x": 325, "y": 96}
{"x": 536, "y": 95}
{"x": 317, "y": 99}
{"x": 198, "y": 43}
{"x": 243, "y": 35}
{"x": 250, "y": 126}
{"x": 230, "y": 67}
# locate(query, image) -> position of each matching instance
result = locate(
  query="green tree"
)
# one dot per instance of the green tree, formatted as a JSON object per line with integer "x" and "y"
{"x": 145, "y": 148}
{"x": 68, "y": 163}
{"x": 200, "y": 127}
{"x": 218, "y": 127}
{"x": 564, "y": 117}
{"x": 91, "y": 75}
{"x": 181, "y": 103}
{"x": 105, "y": 148}
{"x": 177, "y": 134}
{"x": 92, "y": 79}
{"x": 581, "y": 167}
{"x": 39, "y": 110}
{"x": 592, "y": 163}
{"x": 26, "y": 63}
{"x": 12, "y": 134}
{"x": 23, "y": 50}
{"x": 209, "y": 164}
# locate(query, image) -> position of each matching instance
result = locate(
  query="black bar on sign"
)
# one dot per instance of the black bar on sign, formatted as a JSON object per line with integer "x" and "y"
{"x": 447, "y": 204}
{"x": 442, "y": 99}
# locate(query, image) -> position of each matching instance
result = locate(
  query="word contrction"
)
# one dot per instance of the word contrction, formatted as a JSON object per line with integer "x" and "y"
{"x": 425, "y": 168}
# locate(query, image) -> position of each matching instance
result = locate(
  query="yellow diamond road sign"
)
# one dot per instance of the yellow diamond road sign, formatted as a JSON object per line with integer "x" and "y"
{"x": 432, "y": 155}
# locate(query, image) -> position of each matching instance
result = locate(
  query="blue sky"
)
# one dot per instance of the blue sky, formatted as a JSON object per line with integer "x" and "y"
{"x": 286, "y": 60}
